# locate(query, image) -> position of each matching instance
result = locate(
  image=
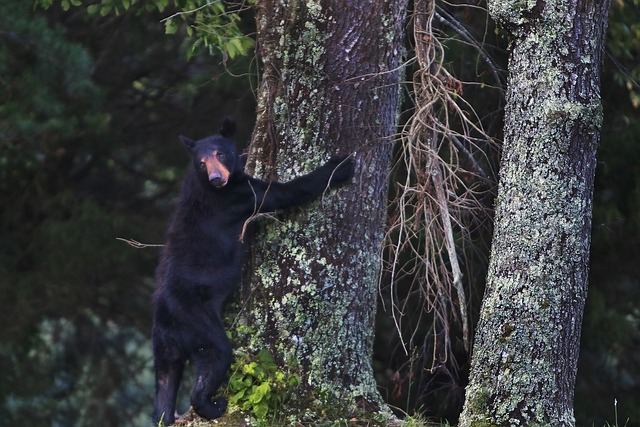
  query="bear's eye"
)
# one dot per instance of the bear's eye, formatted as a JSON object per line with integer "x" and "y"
{"x": 221, "y": 156}
{"x": 203, "y": 165}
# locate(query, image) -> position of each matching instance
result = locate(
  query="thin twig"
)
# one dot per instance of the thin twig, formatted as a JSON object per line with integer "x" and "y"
{"x": 139, "y": 245}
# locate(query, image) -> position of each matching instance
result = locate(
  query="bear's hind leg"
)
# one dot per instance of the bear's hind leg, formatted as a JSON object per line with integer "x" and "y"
{"x": 211, "y": 364}
{"x": 169, "y": 366}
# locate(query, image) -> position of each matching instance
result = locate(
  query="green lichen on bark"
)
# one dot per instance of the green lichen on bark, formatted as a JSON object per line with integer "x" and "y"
{"x": 526, "y": 347}
{"x": 292, "y": 95}
{"x": 309, "y": 310}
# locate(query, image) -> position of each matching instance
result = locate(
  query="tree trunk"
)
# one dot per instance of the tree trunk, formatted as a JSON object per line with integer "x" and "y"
{"x": 527, "y": 342}
{"x": 330, "y": 85}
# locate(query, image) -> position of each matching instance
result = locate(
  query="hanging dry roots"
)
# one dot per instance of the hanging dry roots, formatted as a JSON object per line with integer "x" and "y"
{"x": 444, "y": 163}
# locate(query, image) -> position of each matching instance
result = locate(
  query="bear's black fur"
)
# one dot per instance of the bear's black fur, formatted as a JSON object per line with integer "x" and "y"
{"x": 201, "y": 263}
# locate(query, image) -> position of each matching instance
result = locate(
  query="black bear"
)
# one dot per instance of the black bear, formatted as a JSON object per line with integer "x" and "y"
{"x": 201, "y": 263}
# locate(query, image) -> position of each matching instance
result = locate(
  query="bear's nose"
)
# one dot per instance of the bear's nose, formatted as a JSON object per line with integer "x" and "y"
{"x": 216, "y": 180}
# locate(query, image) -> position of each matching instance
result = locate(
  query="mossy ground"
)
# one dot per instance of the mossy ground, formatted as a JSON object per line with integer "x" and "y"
{"x": 240, "y": 419}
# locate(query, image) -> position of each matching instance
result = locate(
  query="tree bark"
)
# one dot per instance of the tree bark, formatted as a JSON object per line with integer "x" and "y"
{"x": 330, "y": 84}
{"x": 527, "y": 341}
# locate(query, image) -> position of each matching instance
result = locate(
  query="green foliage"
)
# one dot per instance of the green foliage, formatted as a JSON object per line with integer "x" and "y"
{"x": 90, "y": 111}
{"x": 258, "y": 386}
{"x": 62, "y": 98}
{"x": 212, "y": 25}
{"x": 79, "y": 384}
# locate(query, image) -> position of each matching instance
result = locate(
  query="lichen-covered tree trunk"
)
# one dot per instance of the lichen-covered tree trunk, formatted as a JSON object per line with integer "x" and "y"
{"x": 527, "y": 341}
{"x": 330, "y": 85}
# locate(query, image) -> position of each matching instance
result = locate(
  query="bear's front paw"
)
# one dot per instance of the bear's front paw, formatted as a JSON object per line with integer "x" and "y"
{"x": 342, "y": 169}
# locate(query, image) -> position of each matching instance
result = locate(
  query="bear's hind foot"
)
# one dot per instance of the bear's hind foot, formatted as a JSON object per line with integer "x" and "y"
{"x": 211, "y": 408}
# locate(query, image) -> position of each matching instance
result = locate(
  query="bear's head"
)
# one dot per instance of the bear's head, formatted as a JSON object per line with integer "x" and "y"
{"x": 215, "y": 158}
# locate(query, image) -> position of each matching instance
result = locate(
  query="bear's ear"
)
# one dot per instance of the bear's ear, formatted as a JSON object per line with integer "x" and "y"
{"x": 188, "y": 142}
{"x": 228, "y": 128}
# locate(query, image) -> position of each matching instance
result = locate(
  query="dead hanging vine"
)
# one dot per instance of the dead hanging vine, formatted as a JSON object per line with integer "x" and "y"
{"x": 445, "y": 174}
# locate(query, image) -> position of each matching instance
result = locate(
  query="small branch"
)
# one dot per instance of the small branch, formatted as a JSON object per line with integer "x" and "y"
{"x": 256, "y": 212}
{"x": 139, "y": 245}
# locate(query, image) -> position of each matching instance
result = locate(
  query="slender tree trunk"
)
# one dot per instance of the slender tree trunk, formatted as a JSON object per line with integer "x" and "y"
{"x": 527, "y": 342}
{"x": 330, "y": 85}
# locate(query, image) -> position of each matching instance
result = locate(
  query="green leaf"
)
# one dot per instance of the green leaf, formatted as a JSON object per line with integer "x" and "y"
{"x": 261, "y": 410}
{"x": 161, "y": 5}
{"x": 266, "y": 359}
{"x": 218, "y": 8}
{"x": 106, "y": 9}
{"x": 230, "y": 50}
{"x": 235, "y": 398}
{"x": 236, "y": 383}
{"x": 294, "y": 380}
{"x": 45, "y": 4}
{"x": 93, "y": 9}
{"x": 249, "y": 368}
{"x": 170, "y": 26}
{"x": 264, "y": 389}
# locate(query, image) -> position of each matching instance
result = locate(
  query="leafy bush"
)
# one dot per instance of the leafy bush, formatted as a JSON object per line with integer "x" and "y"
{"x": 257, "y": 385}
